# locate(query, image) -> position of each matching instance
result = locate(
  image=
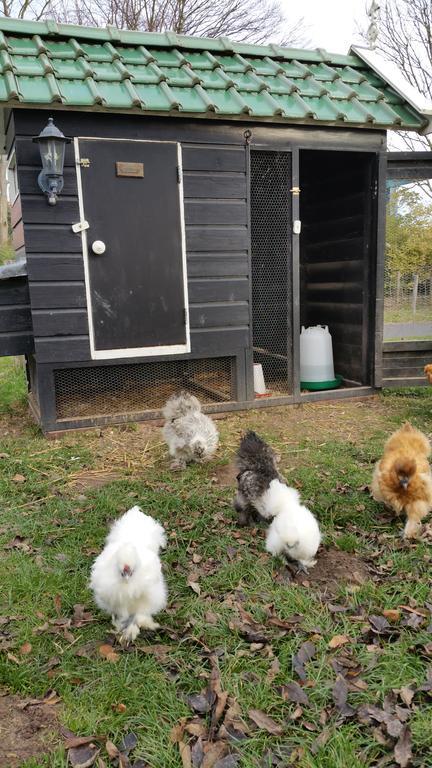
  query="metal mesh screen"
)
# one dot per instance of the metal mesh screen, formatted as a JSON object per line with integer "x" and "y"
{"x": 117, "y": 389}
{"x": 271, "y": 219}
{"x": 408, "y": 261}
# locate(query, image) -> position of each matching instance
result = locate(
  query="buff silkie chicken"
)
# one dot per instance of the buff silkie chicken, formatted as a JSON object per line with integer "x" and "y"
{"x": 126, "y": 578}
{"x": 402, "y": 479}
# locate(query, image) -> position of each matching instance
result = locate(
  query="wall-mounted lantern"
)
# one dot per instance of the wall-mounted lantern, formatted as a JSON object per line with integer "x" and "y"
{"x": 52, "y": 144}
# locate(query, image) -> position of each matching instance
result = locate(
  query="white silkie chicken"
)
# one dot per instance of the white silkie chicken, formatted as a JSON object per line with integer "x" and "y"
{"x": 189, "y": 433}
{"x": 294, "y": 531}
{"x": 126, "y": 578}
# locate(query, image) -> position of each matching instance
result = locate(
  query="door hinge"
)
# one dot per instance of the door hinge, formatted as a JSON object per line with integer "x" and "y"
{"x": 185, "y": 316}
{"x": 295, "y": 190}
{"x": 375, "y": 189}
{"x": 84, "y": 162}
{"x": 296, "y": 226}
{"x": 80, "y": 226}
{"x": 179, "y": 175}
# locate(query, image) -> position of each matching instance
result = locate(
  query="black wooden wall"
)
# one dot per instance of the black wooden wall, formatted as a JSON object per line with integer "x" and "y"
{"x": 404, "y": 362}
{"x": 16, "y": 334}
{"x": 216, "y": 233}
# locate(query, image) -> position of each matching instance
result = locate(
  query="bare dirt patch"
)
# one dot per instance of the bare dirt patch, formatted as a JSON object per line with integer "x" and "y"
{"x": 225, "y": 475}
{"x": 93, "y": 480}
{"x": 335, "y": 567}
{"x": 25, "y": 733}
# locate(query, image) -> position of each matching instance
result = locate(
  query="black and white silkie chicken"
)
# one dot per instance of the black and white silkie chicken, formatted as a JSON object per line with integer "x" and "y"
{"x": 261, "y": 490}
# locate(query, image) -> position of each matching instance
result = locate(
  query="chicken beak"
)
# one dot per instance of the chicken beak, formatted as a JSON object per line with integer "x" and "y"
{"x": 126, "y": 572}
{"x": 404, "y": 483}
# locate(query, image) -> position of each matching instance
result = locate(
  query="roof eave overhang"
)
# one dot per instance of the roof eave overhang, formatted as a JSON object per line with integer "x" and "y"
{"x": 249, "y": 119}
{"x": 415, "y": 99}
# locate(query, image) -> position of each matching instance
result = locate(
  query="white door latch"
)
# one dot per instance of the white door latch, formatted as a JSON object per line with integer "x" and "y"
{"x": 80, "y": 226}
{"x": 98, "y": 247}
{"x": 296, "y": 226}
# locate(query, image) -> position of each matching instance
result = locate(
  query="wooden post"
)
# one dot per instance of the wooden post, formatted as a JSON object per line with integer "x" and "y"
{"x": 415, "y": 293}
{"x": 398, "y": 286}
{"x": 4, "y": 205}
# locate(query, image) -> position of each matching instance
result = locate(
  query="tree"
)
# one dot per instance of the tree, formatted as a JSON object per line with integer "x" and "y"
{"x": 405, "y": 39}
{"x": 257, "y": 21}
{"x": 409, "y": 232}
{"x": 20, "y": 9}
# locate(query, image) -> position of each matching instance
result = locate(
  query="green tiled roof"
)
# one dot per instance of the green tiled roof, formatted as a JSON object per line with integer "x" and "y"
{"x": 44, "y": 63}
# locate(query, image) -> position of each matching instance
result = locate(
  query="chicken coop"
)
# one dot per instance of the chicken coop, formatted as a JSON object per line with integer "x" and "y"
{"x": 180, "y": 207}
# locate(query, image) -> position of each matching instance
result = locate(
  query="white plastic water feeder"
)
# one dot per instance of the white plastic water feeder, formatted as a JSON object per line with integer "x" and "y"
{"x": 316, "y": 359}
{"x": 259, "y": 383}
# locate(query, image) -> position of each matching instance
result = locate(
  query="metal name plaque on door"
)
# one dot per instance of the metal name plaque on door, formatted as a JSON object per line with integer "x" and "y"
{"x": 135, "y": 170}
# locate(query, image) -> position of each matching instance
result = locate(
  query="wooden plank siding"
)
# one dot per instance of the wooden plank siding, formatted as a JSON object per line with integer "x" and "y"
{"x": 404, "y": 362}
{"x": 217, "y": 239}
{"x": 16, "y": 333}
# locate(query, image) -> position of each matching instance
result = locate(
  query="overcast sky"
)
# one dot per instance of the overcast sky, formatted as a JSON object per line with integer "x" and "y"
{"x": 331, "y": 23}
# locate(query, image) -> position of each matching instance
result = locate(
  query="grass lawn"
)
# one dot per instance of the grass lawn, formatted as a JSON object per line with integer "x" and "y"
{"x": 235, "y": 623}
{"x": 402, "y": 313}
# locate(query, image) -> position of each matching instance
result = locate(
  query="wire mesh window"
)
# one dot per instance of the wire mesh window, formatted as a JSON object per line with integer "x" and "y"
{"x": 408, "y": 261}
{"x": 117, "y": 389}
{"x": 271, "y": 221}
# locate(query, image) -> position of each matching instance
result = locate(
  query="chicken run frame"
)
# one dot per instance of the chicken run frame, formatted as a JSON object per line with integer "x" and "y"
{"x": 217, "y": 196}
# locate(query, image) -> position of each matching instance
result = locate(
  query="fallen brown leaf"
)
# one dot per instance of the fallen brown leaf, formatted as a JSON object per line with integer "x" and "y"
{"x": 195, "y": 587}
{"x": 26, "y": 648}
{"x": 407, "y": 694}
{"x": 265, "y": 723}
{"x": 108, "y": 653}
{"x": 392, "y": 614}
{"x": 202, "y": 702}
{"x": 185, "y": 754}
{"x": 274, "y": 670}
{"x": 120, "y": 708}
{"x": 214, "y": 753}
{"x": 72, "y": 742}
{"x": 230, "y": 761}
{"x": 177, "y": 731}
{"x": 18, "y": 479}
{"x": 403, "y": 750}
{"x": 340, "y": 697}
{"x": 305, "y": 653}
{"x": 338, "y": 640}
{"x": 379, "y": 624}
{"x": 84, "y": 756}
{"x": 293, "y": 692}
{"x": 128, "y": 742}
{"x": 111, "y": 750}
{"x": 81, "y": 617}
{"x": 57, "y": 604}
{"x": 320, "y": 741}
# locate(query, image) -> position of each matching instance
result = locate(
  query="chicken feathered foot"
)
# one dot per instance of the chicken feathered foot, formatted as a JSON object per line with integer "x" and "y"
{"x": 132, "y": 625}
{"x": 295, "y": 567}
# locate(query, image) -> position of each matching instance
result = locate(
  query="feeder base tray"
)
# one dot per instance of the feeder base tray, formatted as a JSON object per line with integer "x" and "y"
{"x": 318, "y": 385}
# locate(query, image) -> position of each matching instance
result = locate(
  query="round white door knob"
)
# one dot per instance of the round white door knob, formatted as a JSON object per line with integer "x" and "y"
{"x": 98, "y": 247}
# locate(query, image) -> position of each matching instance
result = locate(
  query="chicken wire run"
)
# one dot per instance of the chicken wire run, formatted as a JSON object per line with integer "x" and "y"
{"x": 135, "y": 388}
{"x": 272, "y": 268}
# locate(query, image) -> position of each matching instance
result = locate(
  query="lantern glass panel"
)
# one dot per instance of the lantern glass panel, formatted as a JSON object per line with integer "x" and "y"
{"x": 52, "y": 155}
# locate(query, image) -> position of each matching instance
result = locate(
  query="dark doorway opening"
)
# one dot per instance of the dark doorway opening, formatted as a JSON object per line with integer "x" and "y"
{"x": 337, "y": 255}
